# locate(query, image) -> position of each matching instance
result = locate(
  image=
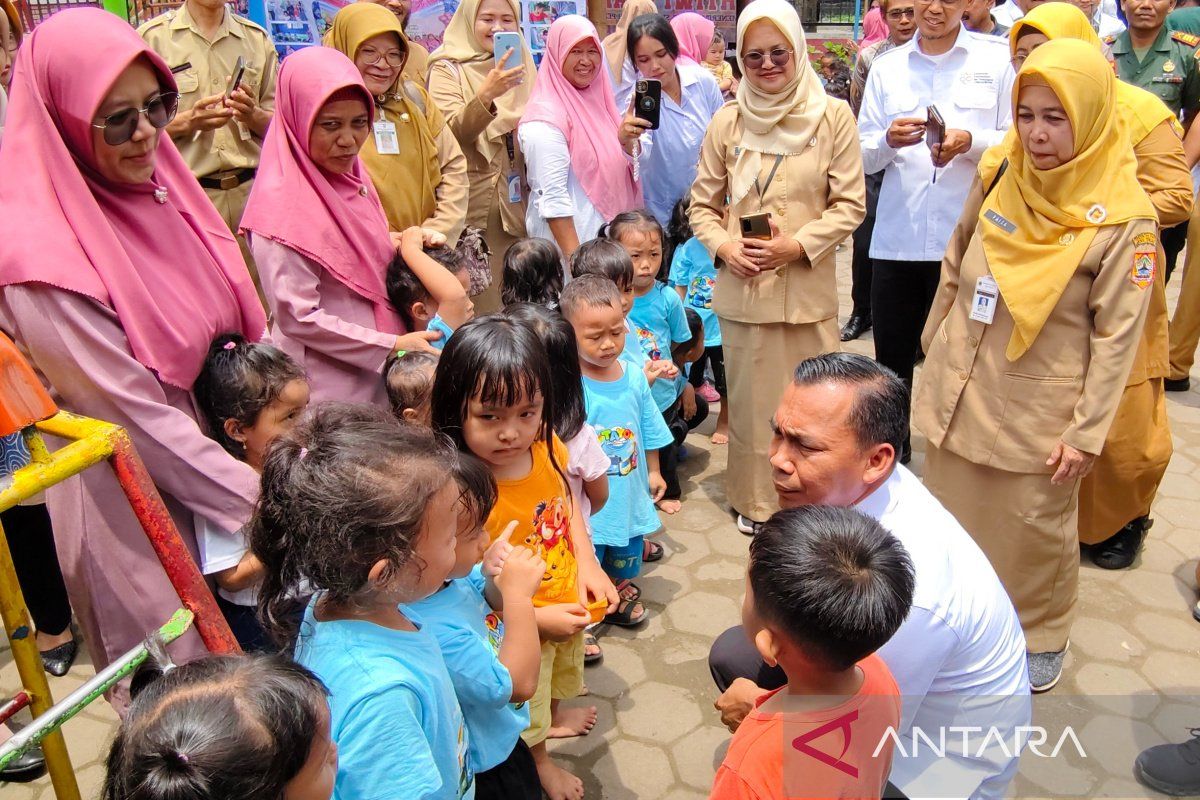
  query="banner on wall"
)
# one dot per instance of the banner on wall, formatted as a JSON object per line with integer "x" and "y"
{"x": 294, "y": 24}
{"x": 721, "y": 12}
{"x": 537, "y": 16}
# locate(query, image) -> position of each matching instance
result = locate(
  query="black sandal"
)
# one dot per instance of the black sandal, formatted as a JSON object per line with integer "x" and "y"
{"x": 628, "y": 590}
{"x": 589, "y": 640}
{"x": 654, "y": 552}
{"x": 623, "y": 616}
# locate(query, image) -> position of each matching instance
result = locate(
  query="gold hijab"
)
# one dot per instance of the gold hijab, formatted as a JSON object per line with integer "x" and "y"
{"x": 775, "y": 124}
{"x": 406, "y": 181}
{"x": 1055, "y": 213}
{"x": 615, "y": 49}
{"x": 461, "y": 47}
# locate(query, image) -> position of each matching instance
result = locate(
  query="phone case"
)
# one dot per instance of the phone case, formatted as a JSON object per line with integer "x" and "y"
{"x": 501, "y": 43}
{"x": 647, "y": 101}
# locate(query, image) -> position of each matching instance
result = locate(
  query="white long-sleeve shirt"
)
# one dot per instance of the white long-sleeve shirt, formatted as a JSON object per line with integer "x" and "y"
{"x": 971, "y": 86}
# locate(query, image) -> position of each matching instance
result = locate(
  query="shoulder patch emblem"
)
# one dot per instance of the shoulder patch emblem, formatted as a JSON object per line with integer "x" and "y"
{"x": 1145, "y": 260}
{"x": 1183, "y": 37}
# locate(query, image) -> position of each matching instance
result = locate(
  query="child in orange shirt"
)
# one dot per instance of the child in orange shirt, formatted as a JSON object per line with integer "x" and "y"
{"x": 825, "y": 589}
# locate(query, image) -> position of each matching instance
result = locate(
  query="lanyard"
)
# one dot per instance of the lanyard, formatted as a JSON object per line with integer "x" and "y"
{"x": 512, "y": 150}
{"x": 770, "y": 177}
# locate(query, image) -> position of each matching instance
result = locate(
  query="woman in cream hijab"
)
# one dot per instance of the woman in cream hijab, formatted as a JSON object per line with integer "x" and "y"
{"x": 483, "y": 104}
{"x": 1032, "y": 333}
{"x": 616, "y": 48}
{"x": 787, "y": 150}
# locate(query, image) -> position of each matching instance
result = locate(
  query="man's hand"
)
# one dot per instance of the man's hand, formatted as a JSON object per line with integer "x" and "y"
{"x": 956, "y": 143}
{"x": 246, "y": 110}
{"x": 905, "y": 132}
{"x": 206, "y": 114}
{"x": 737, "y": 702}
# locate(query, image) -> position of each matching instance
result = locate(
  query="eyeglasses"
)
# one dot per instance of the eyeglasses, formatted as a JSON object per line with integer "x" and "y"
{"x": 902, "y": 13}
{"x": 120, "y": 126}
{"x": 754, "y": 59}
{"x": 370, "y": 56}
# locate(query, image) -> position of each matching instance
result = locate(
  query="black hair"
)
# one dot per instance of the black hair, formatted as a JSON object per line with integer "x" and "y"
{"x": 238, "y": 380}
{"x": 404, "y": 288}
{"x": 478, "y": 488}
{"x": 533, "y": 273}
{"x": 642, "y": 221}
{"x": 346, "y": 488}
{"x": 679, "y": 229}
{"x": 558, "y": 337}
{"x": 695, "y": 328}
{"x": 879, "y": 414}
{"x": 220, "y": 727}
{"x": 832, "y": 580}
{"x": 656, "y": 27}
{"x": 408, "y": 380}
{"x": 589, "y": 291}
{"x": 449, "y": 257}
{"x": 606, "y": 259}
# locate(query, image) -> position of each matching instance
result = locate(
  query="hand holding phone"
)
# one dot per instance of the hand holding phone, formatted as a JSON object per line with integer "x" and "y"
{"x": 235, "y": 80}
{"x": 647, "y": 101}
{"x": 507, "y": 49}
{"x": 935, "y": 128}
{"x": 756, "y": 226}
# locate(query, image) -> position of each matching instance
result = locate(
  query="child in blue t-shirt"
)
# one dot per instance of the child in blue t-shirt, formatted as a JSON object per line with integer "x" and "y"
{"x": 630, "y": 428}
{"x": 428, "y": 288}
{"x": 493, "y": 664}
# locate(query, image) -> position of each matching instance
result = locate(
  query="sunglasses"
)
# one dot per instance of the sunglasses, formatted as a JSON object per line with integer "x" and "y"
{"x": 754, "y": 59}
{"x": 902, "y": 13}
{"x": 120, "y": 126}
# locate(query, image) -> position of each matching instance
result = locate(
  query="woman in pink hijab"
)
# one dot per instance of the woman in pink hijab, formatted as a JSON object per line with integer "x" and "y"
{"x": 695, "y": 34}
{"x": 115, "y": 275}
{"x": 319, "y": 234}
{"x": 874, "y": 28}
{"x": 578, "y": 151}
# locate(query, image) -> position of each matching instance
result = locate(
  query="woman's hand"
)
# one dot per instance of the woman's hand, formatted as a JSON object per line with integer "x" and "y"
{"x": 417, "y": 341}
{"x": 500, "y": 81}
{"x": 631, "y": 128}
{"x": 778, "y": 251}
{"x": 1073, "y": 464}
{"x": 734, "y": 255}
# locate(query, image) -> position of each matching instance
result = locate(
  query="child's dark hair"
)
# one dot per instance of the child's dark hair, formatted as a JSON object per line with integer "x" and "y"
{"x": 478, "y": 488}
{"x": 346, "y": 488}
{"x": 532, "y": 273}
{"x": 606, "y": 259}
{"x": 558, "y": 337}
{"x": 695, "y": 328}
{"x": 219, "y": 727}
{"x": 408, "y": 379}
{"x": 639, "y": 221}
{"x": 589, "y": 291}
{"x": 238, "y": 380}
{"x": 449, "y": 257}
{"x": 832, "y": 580}
{"x": 403, "y": 289}
{"x": 679, "y": 229}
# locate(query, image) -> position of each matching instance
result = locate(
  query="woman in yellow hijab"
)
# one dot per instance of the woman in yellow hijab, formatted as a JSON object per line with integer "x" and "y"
{"x": 1115, "y": 499}
{"x": 413, "y": 159}
{"x": 1044, "y": 291}
{"x": 483, "y": 104}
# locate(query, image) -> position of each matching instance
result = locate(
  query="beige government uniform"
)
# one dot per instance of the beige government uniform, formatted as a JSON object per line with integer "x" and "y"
{"x": 224, "y": 155}
{"x": 992, "y": 423}
{"x": 488, "y": 205}
{"x": 772, "y": 322}
{"x": 1185, "y": 325}
{"x": 1124, "y": 481}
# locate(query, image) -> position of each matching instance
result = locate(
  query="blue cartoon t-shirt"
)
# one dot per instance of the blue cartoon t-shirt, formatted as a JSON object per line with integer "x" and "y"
{"x": 627, "y": 423}
{"x": 658, "y": 321}
{"x": 692, "y": 268}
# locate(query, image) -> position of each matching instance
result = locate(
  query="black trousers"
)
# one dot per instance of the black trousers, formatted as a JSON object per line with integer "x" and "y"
{"x": 668, "y": 457}
{"x": 712, "y": 356}
{"x": 861, "y": 267}
{"x": 902, "y": 292}
{"x": 31, "y": 540}
{"x": 1173, "y": 241}
{"x": 515, "y": 778}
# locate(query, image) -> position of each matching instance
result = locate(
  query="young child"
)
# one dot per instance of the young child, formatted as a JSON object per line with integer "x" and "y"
{"x": 249, "y": 393}
{"x": 621, "y": 409}
{"x": 533, "y": 273}
{"x": 223, "y": 726}
{"x": 714, "y": 61}
{"x": 429, "y": 289}
{"x": 693, "y": 275}
{"x": 365, "y": 509}
{"x": 826, "y": 587}
{"x": 493, "y": 664}
{"x": 408, "y": 379}
{"x": 658, "y": 320}
{"x": 493, "y": 395}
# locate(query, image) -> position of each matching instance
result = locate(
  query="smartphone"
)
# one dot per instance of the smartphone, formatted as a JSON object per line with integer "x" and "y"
{"x": 502, "y": 43}
{"x": 235, "y": 80}
{"x": 647, "y": 100}
{"x": 756, "y": 226}
{"x": 935, "y": 127}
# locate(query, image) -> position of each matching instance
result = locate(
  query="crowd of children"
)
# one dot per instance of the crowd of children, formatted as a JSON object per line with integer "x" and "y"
{"x": 439, "y": 572}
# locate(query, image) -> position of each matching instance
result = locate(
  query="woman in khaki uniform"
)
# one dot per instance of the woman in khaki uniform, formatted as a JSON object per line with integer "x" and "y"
{"x": 483, "y": 105}
{"x": 1115, "y": 498}
{"x": 413, "y": 159}
{"x": 786, "y": 149}
{"x": 1033, "y": 331}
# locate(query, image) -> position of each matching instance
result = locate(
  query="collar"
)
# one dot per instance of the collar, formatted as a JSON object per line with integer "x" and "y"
{"x": 183, "y": 21}
{"x": 883, "y": 499}
{"x": 687, "y": 75}
{"x": 960, "y": 42}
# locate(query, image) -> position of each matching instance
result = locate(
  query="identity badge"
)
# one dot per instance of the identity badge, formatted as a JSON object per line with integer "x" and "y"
{"x": 987, "y": 295}
{"x": 514, "y": 187}
{"x": 386, "y": 142}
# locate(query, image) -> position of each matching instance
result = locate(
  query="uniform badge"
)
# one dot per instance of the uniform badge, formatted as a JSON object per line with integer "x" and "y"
{"x": 1097, "y": 214}
{"x": 1066, "y": 239}
{"x": 1168, "y": 66}
{"x": 1145, "y": 260}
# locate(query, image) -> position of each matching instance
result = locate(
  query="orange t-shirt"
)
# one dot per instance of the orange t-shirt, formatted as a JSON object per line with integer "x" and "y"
{"x": 540, "y": 502}
{"x": 802, "y": 754}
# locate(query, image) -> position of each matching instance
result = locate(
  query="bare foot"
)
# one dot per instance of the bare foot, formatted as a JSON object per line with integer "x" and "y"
{"x": 570, "y": 722}
{"x": 720, "y": 437}
{"x": 669, "y": 506}
{"x": 557, "y": 783}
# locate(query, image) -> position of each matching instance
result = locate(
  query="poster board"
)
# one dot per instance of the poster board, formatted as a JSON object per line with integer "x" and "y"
{"x": 538, "y": 15}
{"x": 294, "y": 24}
{"x": 722, "y": 12}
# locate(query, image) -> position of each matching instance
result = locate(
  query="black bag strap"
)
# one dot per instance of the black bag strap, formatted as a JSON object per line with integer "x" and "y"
{"x": 999, "y": 175}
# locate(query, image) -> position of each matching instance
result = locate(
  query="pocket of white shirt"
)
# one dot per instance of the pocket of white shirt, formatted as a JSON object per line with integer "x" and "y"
{"x": 901, "y": 104}
{"x": 975, "y": 97}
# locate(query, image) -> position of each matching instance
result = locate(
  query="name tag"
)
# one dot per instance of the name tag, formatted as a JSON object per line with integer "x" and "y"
{"x": 987, "y": 295}
{"x": 386, "y": 142}
{"x": 514, "y": 187}
{"x": 1000, "y": 222}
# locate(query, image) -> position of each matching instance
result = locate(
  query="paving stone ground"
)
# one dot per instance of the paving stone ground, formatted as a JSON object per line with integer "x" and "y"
{"x": 1135, "y": 648}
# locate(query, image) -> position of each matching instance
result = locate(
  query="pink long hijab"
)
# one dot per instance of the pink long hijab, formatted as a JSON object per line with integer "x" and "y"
{"x": 588, "y": 119}
{"x": 695, "y": 34}
{"x": 171, "y": 271}
{"x": 874, "y": 27}
{"x": 335, "y": 220}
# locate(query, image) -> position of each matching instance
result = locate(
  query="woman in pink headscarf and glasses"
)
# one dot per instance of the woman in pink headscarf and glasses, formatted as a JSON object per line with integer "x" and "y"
{"x": 116, "y": 273}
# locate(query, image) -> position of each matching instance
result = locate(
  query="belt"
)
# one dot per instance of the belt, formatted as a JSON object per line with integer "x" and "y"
{"x": 227, "y": 180}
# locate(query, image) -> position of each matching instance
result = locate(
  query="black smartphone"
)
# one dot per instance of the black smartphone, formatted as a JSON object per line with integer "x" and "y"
{"x": 647, "y": 100}
{"x": 756, "y": 226}
{"x": 235, "y": 80}
{"x": 935, "y": 127}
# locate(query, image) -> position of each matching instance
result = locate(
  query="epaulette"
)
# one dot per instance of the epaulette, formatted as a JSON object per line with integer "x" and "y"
{"x": 1183, "y": 37}
{"x": 1110, "y": 39}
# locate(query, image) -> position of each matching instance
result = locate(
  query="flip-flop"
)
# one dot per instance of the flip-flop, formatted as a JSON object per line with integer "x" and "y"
{"x": 589, "y": 640}
{"x": 622, "y": 616}
{"x": 653, "y": 552}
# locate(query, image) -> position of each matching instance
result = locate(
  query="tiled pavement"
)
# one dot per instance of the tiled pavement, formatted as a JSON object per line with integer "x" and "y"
{"x": 1134, "y": 645}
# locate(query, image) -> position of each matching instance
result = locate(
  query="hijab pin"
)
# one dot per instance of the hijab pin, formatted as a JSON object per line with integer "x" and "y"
{"x": 812, "y": 142}
{"x": 1097, "y": 214}
{"x": 1066, "y": 239}
{"x": 404, "y": 117}
{"x": 160, "y": 194}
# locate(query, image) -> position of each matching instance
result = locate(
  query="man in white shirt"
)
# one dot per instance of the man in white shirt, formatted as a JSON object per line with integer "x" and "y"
{"x": 959, "y": 657}
{"x": 968, "y": 78}
{"x": 1009, "y": 12}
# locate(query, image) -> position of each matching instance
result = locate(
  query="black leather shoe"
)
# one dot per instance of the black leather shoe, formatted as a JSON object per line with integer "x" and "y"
{"x": 1172, "y": 769}
{"x": 856, "y": 326}
{"x": 58, "y": 660}
{"x": 1180, "y": 385}
{"x": 1119, "y": 551}
{"x": 29, "y": 767}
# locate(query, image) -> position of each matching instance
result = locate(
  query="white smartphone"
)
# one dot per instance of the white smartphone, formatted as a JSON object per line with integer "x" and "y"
{"x": 503, "y": 42}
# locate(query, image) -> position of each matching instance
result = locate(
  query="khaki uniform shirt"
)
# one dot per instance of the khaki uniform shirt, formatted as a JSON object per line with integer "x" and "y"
{"x": 175, "y": 37}
{"x": 974, "y": 402}
{"x": 416, "y": 66}
{"x": 817, "y": 197}
{"x": 1169, "y": 69}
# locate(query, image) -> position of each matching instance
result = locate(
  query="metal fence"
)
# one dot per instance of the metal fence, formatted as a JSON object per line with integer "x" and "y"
{"x": 138, "y": 11}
